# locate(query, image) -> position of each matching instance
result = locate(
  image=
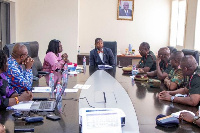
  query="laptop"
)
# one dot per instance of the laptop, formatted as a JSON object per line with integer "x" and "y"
{"x": 47, "y": 105}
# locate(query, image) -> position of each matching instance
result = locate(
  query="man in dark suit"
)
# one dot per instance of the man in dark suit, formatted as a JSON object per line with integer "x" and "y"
{"x": 125, "y": 11}
{"x": 101, "y": 55}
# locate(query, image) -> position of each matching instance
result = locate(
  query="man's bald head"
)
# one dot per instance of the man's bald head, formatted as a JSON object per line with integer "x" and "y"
{"x": 188, "y": 65}
{"x": 19, "y": 49}
{"x": 178, "y": 55}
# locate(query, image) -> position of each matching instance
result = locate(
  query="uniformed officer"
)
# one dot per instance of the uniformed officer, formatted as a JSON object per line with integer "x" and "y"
{"x": 189, "y": 68}
{"x": 148, "y": 60}
{"x": 175, "y": 77}
{"x": 163, "y": 67}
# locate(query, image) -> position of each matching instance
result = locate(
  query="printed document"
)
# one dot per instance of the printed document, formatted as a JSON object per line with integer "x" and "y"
{"x": 80, "y": 86}
{"x": 101, "y": 121}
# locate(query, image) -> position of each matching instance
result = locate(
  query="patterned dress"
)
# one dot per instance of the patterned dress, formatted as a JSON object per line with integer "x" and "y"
{"x": 5, "y": 92}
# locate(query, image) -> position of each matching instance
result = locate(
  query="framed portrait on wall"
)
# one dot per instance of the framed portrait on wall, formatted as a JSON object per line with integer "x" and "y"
{"x": 125, "y": 10}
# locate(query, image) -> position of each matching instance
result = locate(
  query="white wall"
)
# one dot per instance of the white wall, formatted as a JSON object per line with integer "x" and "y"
{"x": 43, "y": 20}
{"x": 98, "y": 18}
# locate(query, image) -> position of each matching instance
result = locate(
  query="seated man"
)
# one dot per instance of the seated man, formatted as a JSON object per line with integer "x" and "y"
{"x": 101, "y": 55}
{"x": 162, "y": 64}
{"x": 148, "y": 60}
{"x": 20, "y": 80}
{"x": 175, "y": 77}
{"x": 189, "y": 68}
{"x": 8, "y": 97}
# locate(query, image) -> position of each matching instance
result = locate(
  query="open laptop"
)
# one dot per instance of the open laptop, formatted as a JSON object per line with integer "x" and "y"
{"x": 47, "y": 105}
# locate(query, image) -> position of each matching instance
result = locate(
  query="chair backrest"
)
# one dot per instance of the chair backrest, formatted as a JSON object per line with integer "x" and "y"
{"x": 193, "y": 53}
{"x": 113, "y": 47}
{"x": 33, "y": 48}
{"x": 172, "y": 49}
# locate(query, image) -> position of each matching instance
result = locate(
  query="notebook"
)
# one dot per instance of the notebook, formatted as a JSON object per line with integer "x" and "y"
{"x": 46, "y": 105}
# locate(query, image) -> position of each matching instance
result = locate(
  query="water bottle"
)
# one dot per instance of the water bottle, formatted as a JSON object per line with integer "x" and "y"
{"x": 58, "y": 91}
{"x": 51, "y": 81}
{"x": 84, "y": 62}
{"x": 78, "y": 50}
{"x": 65, "y": 75}
{"x": 134, "y": 71}
{"x": 130, "y": 49}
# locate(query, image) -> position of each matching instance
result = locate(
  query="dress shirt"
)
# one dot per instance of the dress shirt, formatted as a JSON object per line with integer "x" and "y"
{"x": 101, "y": 55}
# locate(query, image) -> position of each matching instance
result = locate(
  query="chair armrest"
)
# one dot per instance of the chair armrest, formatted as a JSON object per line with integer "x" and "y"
{"x": 42, "y": 72}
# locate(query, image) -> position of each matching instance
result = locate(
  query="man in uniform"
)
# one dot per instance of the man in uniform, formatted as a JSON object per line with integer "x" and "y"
{"x": 163, "y": 66}
{"x": 175, "y": 77}
{"x": 148, "y": 60}
{"x": 189, "y": 68}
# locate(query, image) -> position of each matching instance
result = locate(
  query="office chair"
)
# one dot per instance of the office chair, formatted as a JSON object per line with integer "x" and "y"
{"x": 113, "y": 47}
{"x": 193, "y": 53}
{"x": 172, "y": 49}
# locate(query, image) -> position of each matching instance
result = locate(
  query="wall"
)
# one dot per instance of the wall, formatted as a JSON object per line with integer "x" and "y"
{"x": 43, "y": 20}
{"x": 99, "y": 19}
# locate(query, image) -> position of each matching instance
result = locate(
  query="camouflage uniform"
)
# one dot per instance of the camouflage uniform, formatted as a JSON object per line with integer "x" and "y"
{"x": 165, "y": 67}
{"x": 177, "y": 77}
{"x": 148, "y": 61}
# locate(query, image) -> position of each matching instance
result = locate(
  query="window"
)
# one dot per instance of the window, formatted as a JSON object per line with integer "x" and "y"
{"x": 4, "y": 23}
{"x": 178, "y": 16}
{"x": 197, "y": 28}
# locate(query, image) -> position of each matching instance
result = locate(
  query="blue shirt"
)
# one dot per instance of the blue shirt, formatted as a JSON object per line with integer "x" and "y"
{"x": 18, "y": 79}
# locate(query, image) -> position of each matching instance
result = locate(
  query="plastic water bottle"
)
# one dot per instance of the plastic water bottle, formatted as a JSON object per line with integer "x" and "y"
{"x": 78, "y": 50}
{"x": 65, "y": 75}
{"x": 134, "y": 71}
{"x": 130, "y": 49}
{"x": 58, "y": 91}
{"x": 84, "y": 62}
{"x": 51, "y": 81}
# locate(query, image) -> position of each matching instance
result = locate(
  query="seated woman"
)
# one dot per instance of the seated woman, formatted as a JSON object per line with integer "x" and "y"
{"x": 53, "y": 59}
{"x": 175, "y": 77}
{"x": 9, "y": 97}
{"x": 148, "y": 60}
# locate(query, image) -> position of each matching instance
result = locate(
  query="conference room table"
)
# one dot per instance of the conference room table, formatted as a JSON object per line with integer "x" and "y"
{"x": 144, "y": 100}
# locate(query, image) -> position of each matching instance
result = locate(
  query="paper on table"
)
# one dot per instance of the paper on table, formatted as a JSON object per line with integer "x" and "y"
{"x": 41, "y": 89}
{"x": 69, "y": 90}
{"x": 23, "y": 106}
{"x": 104, "y": 67}
{"x": 176, "y": 114}
{"x": 80, "y": 86}
{"x": 73, "y": 72}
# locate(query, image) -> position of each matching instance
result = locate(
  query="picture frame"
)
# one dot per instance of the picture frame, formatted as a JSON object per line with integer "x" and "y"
{"x": 125, "y": 10}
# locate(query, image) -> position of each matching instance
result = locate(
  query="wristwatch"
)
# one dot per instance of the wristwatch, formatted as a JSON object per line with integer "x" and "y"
{"x": 172, "y": 98}
{"x": 195, "y": 119}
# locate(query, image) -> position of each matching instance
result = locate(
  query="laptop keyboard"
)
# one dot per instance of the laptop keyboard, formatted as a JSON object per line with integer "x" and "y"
{"x": 45, "y": 105}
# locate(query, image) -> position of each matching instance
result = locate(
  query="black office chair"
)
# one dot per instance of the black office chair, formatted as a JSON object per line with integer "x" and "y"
{"x": 172, "y": 49}
{"x": 113, "y": 47}
{"x": 193, "y": 53}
